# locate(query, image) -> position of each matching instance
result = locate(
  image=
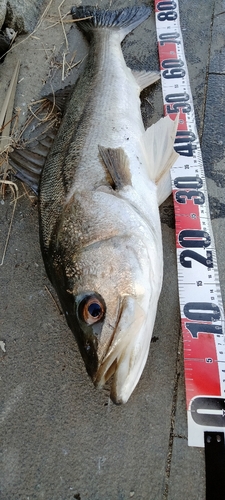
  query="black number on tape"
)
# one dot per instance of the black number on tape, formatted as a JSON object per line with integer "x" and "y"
{"x": 184, "y": 136}
{"x": 173, "y": 73}
{"x": 202, "y": 311}
{"x": 194, "y": 238}
{"x": 178, "y": 102}
{"x": 188, "y": 182}
{"x": 176, "y": 107}
{"x": 172, "y": 63}
{"x": 203, "y": 411}
{"x": 171, "y": 98}
{"x": 197, "y": 197}
{"x": 167, "y": 16}
{"x": 166, "y": 5}
{"x": 196, "y": 328}
{"x": 206, "y": 261}
{"x": 186, "y": 150}
{"x": 169, "y": 38}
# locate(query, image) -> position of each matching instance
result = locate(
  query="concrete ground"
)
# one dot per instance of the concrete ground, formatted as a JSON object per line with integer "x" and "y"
{"x": 61, "y": 438}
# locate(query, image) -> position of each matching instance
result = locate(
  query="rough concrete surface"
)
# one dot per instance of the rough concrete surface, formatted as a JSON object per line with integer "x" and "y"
{"x": 21, "y": 15}
{"x": 62, "y": 439}
{"x": 2, "y": 11}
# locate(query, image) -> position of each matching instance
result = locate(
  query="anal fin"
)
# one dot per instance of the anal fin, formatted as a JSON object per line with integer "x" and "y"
{"x": 145, "y": 78}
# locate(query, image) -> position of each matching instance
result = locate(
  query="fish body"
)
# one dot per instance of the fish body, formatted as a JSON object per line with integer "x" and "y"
{"x": 99, "y": 193}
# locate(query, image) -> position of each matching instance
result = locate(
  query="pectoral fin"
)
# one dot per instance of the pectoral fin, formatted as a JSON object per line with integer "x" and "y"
{"x": 158, "y": 142}
{"x": 117, "y": 164}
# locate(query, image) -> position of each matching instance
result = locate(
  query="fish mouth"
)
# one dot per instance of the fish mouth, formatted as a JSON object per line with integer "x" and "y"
{"x": 125, "y": 357}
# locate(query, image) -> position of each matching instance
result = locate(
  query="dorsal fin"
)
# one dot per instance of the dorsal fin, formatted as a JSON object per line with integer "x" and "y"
{"x": 60, "y": 97}
{"x": 28, "y": 157}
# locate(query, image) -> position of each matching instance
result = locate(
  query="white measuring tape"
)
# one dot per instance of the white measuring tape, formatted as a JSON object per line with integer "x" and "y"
{"x": 202, "y": 314}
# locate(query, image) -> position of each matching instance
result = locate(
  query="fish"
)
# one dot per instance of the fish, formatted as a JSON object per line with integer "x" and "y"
{"x": 99, "y": 195}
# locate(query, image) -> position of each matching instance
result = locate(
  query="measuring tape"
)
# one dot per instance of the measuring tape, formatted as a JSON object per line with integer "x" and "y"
{"x": 202, "y": 315}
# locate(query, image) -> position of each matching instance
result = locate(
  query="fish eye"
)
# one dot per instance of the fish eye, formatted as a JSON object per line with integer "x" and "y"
{"x": 91, "y": 309}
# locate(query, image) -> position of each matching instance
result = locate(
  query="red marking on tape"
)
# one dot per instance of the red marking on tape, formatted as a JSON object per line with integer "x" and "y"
{"x": 200, "y": 364}
{"x": 167, "y": 51}
{"x": 182, "y": 125}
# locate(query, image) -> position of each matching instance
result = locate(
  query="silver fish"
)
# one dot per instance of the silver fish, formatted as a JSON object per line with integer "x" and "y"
{"x": 99, "y": 194}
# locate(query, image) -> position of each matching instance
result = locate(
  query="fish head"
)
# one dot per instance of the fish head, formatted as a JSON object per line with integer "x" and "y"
{"x": 109, "y": 291}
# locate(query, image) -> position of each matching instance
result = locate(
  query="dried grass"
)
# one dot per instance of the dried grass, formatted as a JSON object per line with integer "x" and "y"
{"x": 39, "y": 111}
{"x": 54, "y": 300}
{"x": 14, "y": 191}
{"x": 9, "y": 139}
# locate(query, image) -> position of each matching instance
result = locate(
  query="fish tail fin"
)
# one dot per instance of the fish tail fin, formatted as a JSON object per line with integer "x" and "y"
{"x": 124, "y": 20}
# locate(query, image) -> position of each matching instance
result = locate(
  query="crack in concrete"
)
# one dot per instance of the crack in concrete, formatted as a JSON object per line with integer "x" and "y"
{"x": 172, "y": 420}
{"x": 180, "y": 436}
{"x": 220, "y": 13}
{"x": 216, "y": 73}
{"x": 201, "y": 129}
